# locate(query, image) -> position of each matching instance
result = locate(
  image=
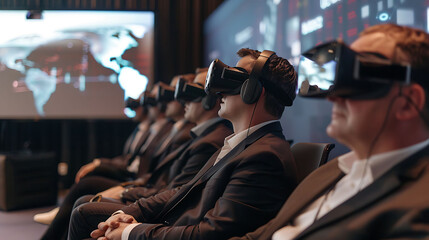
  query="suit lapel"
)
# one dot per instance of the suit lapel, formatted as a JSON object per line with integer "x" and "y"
{"x": 139, "y": 145}
{"x": 172, "y": 137}
{"x": 208, "y": 170}
{"x": 301, "y": 197}
{"x": 370, "y": 194}
{"x": 127, "y": 146}
{"x": 180, "y": 150}
{"x": 274, "y": 127}
{"x": 173, "y": 155}
{"x": 393, "y": 179}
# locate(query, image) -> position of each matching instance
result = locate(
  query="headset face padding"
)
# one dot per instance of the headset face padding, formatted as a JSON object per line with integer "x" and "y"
{"x": 252, "y": 88}
{"x": 209, "y": 102}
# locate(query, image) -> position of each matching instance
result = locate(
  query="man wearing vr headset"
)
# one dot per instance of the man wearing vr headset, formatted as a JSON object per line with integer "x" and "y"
{"x": 102, "y": 166}
{"x": 379, "y": 189}
{"x": 240, "y": 187}
{"x": 181, "y": 165}
{"x": 178, "y": 135}
{"x": 93, "y": 183}
{"x": 109, "y": 167}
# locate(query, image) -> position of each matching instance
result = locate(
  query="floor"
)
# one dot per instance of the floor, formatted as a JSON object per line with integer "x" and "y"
{"x": 18, "y": 225}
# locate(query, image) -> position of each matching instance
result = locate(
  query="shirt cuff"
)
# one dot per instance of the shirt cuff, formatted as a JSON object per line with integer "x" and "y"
{"x": 117, "y": 212}
{"x": 127, "y": 231}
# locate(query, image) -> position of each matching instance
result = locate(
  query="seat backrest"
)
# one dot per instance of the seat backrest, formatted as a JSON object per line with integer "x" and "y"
{"x": 309, "y": 156}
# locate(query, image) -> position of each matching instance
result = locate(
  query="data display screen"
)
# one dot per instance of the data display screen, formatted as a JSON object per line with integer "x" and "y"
{"x": 73, "y": 64}
{"x": 290, "y": 27}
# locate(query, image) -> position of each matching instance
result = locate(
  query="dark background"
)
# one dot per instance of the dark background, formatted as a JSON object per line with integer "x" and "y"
{"x": 182, "y": 44}
{"x": 178, "y": 39}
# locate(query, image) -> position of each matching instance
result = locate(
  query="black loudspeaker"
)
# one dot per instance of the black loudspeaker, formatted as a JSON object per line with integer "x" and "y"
{"x": 252, "y": 87}
{"x": 27, "y": 180}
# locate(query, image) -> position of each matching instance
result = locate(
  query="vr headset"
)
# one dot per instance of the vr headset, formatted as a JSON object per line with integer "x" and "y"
{"x": 193, "y": 92}
{"x": 165, "y": 93}
{"x": 147, "y": 99}
{"x": 333, "y": 69}
{"x": 132, "y": 103}
{"x": 223, "y": 79}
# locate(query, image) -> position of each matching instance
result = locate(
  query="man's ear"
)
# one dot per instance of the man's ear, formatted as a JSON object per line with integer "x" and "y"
{"x": 415, "y": 98}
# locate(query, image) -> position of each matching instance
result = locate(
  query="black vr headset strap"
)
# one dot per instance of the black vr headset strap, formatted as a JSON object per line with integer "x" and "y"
{"x": 252, "y": 87}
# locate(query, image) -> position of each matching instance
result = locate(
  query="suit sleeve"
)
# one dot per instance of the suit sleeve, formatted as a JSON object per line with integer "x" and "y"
{"x": 255, "y": 191}
{"x": 256, "y": 234}
{"x": 118, "y": 161}
{"x": 146, "y": 209}
{"x": 133, "y": 194}
{"x": 412, "y": 225}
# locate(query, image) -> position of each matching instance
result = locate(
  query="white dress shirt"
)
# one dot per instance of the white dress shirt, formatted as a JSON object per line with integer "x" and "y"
{"x": 358, "y": 175}
{"x": 234, "y": 139}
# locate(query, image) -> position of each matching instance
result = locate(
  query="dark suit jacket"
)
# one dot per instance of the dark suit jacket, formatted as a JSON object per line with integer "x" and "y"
{"x": 394, "y": 206}
{"x": 146, "y": 150}
{"x": 241, "y": 192}
{"x": 116, "y": 167}
{"x": 162, "y": 150}
{"x": 149, "y": 159}
{"x": 181, "y": 165}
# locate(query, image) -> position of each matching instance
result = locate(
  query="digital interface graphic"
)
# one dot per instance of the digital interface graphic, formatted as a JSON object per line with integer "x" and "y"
{"x": 290, "y": 27}
{"x": 73, "y": 64}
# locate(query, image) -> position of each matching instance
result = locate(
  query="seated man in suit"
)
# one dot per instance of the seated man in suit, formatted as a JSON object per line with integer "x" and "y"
{"x": 380, "y": 111}
{"x": 179, "y": 135}
{"x": 94, "y": 184}
{"x": 111, "y": 170}
{"x": 111, "y": 167}
{"x": 146, "y": 137}
{"x": 182, "y": 164}
{"x": 241, "y": 186}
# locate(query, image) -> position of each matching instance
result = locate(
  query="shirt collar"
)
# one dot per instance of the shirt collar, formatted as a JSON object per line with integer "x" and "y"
{"x": 379, "y": 163}
{"x": 234, "y": 139}
{"x": 200, "y": 128}
{"x": 179, "y": 124}
{"x": 157, "y": 125}
{"x": 144, "y": 126}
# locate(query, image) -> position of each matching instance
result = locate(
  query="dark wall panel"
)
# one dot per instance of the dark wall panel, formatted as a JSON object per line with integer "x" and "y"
{"x": 178, "y": 50}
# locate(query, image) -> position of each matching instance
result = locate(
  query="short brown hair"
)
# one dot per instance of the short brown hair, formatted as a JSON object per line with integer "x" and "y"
{"x": 411, "y": 42}
{"x": 280, "y": 73}
{"x": 411, "y": 46}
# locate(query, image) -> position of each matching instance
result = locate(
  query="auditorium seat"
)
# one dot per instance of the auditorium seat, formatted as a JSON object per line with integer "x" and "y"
{"x": 309, "y": 156}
